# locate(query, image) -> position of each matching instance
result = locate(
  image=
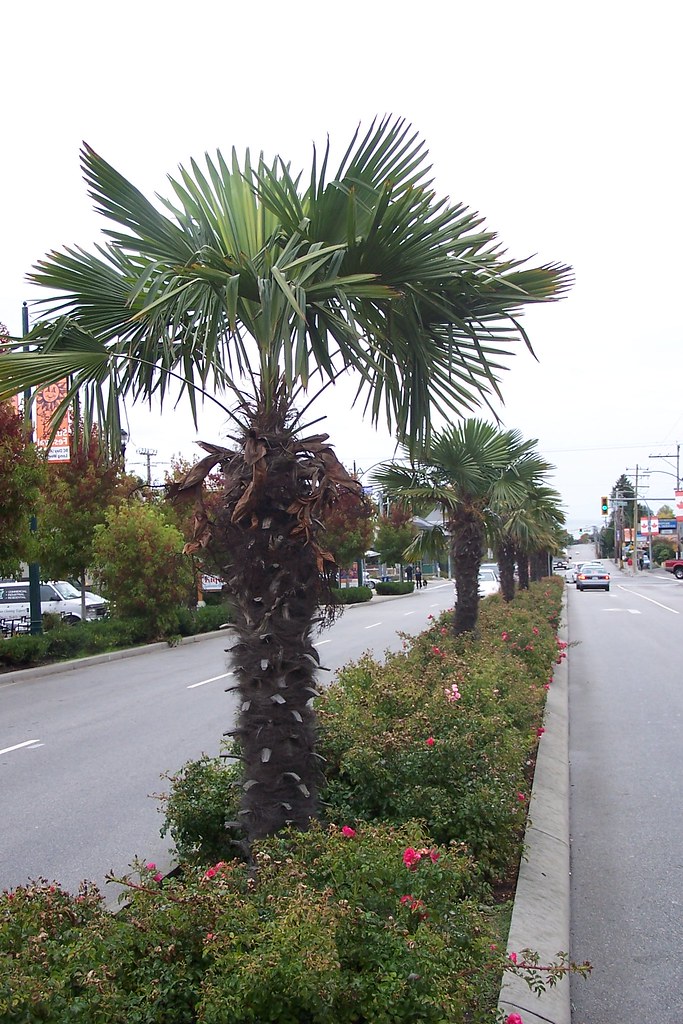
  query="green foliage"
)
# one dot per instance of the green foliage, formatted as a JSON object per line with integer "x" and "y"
{"x": 139, "y": 560}
{"x": 73, "y": 501}
{"x": 376, "y": 721}
{"x": 21, "y": 474}
{"x": 394, "y": 588}
{"x": 202, "y": 798}
{"x": 357, "y": 922}
{"x": 335, "y": 929}
{"x": 86, "y": 638}
{"x": 394, "y": 534}
{"x": 348, "y": 528}
{"x": 351, "y": 595}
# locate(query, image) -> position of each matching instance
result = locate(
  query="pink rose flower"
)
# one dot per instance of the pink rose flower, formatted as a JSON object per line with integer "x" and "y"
{"x": 348, "y": 831}
{"x": 430, "y": 741}
{"x": 411, "y": 858}
{"x": 505, "y": 635}
{"x": 535, "y": 631}
{"x": 513, "y": 957}
{"x": 540, "y": 731}
{"x": 513, "y": 1018}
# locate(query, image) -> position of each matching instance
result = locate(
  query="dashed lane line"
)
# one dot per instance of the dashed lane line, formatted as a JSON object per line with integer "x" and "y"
{"x": 650, "y": 599}
{"x": 18, "y": 746}
{"x": 213, "y": 679}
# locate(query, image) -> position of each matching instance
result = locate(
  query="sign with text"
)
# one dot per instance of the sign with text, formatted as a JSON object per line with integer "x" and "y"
{"x": 46, "y": 402}
{"x": 667, "y": 526}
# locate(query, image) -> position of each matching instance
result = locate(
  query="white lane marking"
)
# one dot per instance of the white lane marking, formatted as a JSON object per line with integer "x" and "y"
{"x": 213, "y": 679}
{"x": 373, "y": 625}
{"x": 651, "y": 600}
{"x": 631, "y": 611}
{"x": 406, "y": 614}
{"x": 320, "y": 643}
{"x": 18, "y": 746}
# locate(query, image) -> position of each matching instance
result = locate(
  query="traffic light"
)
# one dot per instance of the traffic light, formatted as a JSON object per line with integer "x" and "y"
{"x": 605, "y": 506}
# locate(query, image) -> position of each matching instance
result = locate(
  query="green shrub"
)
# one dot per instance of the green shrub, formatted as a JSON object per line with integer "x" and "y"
{"x": 351, "y": 595}
{"x": 336, "y": 928}
{"x": 203, "y": 796}
{"x": 394, "y": 588}
{"x": 23, "y": 650}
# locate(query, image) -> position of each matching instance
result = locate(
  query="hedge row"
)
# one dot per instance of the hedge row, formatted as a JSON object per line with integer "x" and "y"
{"x": 87, "y": 638}
{"x": 382, "y": 913}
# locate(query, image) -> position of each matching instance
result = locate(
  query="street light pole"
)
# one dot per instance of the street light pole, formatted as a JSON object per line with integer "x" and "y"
{"x": 677, "y": 457}
{"x": 35, "y": 608}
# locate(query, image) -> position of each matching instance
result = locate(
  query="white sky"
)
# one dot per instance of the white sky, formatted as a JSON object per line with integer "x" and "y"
{"x": 559, "y": 122}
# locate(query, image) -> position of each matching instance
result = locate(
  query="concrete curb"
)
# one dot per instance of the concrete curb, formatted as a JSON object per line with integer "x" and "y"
{"x": 57, "y": 667}
{"x": 540, "y": 916}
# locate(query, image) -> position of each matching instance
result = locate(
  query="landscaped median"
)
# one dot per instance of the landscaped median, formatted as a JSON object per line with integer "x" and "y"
{"x": 394, "y": 908}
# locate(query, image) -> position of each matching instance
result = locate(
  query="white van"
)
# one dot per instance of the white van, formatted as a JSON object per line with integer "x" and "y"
{"x": 58, "y": 597}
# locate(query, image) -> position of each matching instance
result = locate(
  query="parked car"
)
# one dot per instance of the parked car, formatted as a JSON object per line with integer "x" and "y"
{"x": 592, "y": 577}
{"x": 56, "y": 596}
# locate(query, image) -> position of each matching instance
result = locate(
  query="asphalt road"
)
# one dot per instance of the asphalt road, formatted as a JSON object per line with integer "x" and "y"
{"x": 82, "y": 752}
{"x": 626, "y": 807}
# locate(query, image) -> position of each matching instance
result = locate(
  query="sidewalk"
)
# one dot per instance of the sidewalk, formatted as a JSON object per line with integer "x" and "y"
{"x": 540, "y": 917}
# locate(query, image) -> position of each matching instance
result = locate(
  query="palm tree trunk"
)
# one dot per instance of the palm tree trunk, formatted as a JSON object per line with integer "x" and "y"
{"x": 467, "y": 539}
{"x": 505, "y": 556}
{"x": 264, "y": 544}
{"x": 522, "y": 559}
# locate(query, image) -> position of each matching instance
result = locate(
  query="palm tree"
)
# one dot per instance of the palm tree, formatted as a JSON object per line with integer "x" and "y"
{"x": 512, "y": 524}
{"x": 467, "y": 469}
{"x": 537, "y": 531}
{"x": 254, "y": 286}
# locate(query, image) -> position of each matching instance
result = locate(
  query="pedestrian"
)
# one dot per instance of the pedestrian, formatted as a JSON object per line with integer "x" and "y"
{"x": 418, "y": 576}
{"x": 409, "y": 573}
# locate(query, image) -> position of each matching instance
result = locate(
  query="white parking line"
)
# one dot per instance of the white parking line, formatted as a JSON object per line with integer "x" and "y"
{"x": 18, "y": 746}
{"x": 650, "y": 599}
{"x": 213, "y": 679}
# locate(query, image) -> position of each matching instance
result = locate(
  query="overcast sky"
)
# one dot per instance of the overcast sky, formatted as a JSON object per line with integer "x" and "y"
{"x": 559, "y": 122}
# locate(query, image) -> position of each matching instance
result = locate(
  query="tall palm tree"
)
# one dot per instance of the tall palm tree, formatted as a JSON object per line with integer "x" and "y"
{"x": 254, "y": 286}
{"x": 511, "y": 523}
{"x": 466, "y": 469}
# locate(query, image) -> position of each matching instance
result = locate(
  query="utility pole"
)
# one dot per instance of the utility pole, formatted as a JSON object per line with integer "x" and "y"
{"x": 677, "y": 457}
{"x": 644, "y": 472}
{"x": 149, "y": 454}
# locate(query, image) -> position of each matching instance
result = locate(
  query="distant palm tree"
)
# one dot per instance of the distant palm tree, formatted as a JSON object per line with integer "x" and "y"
{"x": 258, "y": 288}
{"x": 467, "y": 470}
{"x": 519, "y": 522}
{"x": 537, "y": 532}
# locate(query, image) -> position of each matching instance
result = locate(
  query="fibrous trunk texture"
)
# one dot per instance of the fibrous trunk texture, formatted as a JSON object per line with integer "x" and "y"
{"x": 264, "y": 542}
{"x": 467, "y": 536}
{"x": 523, "y": 569}
{"x": 505, "y": 556}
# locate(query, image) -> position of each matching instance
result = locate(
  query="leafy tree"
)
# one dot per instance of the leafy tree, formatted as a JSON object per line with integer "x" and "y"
{"x": 466, "y": 469}
{"x": 73, "y": 501}
{"x": 21, "y": 475}
{"x": 395, "y": 534}
{"x": 264, "y": 285}
{"x": 139, "y": 560}
{"x": 349, "y": 528}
